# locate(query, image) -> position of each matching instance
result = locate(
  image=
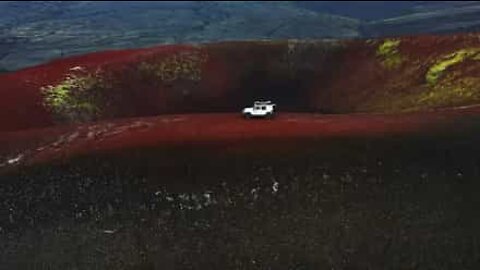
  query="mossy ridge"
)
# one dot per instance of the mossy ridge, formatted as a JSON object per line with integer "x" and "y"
{"x": 76, "y": 98}
{"x": 389, "y": 52}
{"x": 437, "y": 69}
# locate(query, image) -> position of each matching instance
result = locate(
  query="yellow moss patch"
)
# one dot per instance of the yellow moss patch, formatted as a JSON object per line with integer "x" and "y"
{"x": 389, "y": 53}
{"x": 437, "y": 69}
{"x": 183, "y": 65}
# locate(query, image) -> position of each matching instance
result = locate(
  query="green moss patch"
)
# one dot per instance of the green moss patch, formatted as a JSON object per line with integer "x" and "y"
{"x": 389, "y": 53}
{"x": 439, "y": 67}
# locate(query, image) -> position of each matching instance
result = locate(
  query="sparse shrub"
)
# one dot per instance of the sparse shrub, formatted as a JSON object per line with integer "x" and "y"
{"x": 75, "y": 98}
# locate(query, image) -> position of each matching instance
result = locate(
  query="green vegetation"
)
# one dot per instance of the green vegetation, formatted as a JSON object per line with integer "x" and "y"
{"x": 437, "y": 69}
{"x": 389, "y": 53}
{"x": 3, "y": 70}
{"x": 458, "y": 87}
{"x": 75, "y": 98}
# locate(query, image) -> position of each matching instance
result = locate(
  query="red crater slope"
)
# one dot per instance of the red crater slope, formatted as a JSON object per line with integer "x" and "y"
{"x": 193, "y": 93}
{"x": 414, "y": 73}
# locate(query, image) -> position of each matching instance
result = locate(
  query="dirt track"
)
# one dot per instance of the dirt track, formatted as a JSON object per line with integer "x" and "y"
{"x": 44, "y": 145}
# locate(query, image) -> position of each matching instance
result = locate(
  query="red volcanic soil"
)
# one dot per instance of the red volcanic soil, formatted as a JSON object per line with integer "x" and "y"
{"x": 228, "y": 132}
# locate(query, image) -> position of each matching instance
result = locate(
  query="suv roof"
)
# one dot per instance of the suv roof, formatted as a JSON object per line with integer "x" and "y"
{"x": 262, "y": 102}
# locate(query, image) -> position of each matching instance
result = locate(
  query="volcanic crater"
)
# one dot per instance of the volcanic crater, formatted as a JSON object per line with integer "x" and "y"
{"x": 140, "y": 159}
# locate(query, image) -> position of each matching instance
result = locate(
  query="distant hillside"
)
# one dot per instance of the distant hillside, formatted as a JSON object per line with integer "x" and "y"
{"x": 361, "y": 10}
{"x": 35, "y": 32}
{"x": 450, "y": 17}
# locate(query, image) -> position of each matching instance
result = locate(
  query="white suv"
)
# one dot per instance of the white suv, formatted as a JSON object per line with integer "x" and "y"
{"x": 260, "y": 109}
